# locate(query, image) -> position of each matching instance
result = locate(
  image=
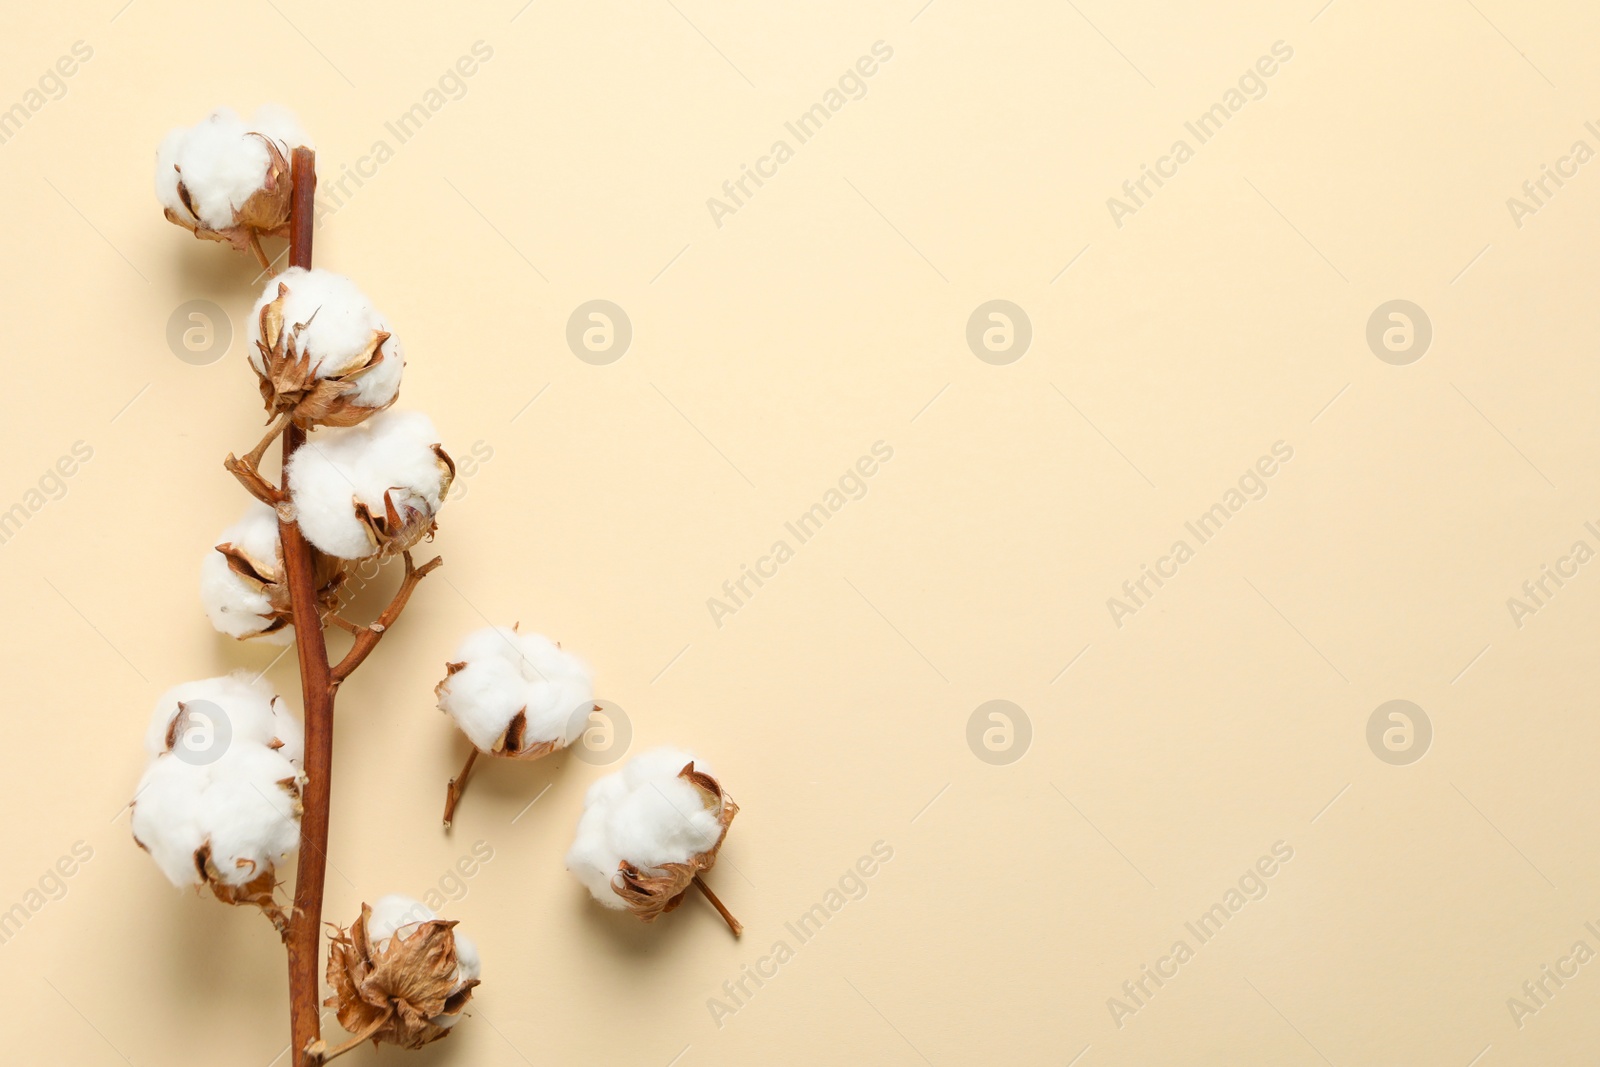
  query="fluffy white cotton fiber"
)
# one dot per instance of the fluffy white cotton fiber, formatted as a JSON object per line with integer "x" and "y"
{"x": 645, "y": 815}
{"x": 336, "y": 323}
{"x": 504, "y": 672}
{"x": 391, "y": 454}
{"x": 221, "y": 162}
{"x": 223, "y": 778}
{"x": 236, "y": 605}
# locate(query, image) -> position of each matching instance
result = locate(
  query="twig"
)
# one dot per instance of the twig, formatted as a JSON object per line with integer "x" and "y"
{"x": 458, "y": 785}
{"x": 367, "y": 637}
{"x": 248, "y": 471}
{"x": 733, "y": 924}
{"x": 317, "y": 688}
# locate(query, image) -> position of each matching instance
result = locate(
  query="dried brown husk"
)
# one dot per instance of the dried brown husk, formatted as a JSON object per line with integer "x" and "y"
{"x": 264, "y": 214}
{"x": 394, "y": 995}
{"x": 401, "y": 525}
{"x": 651, "y": 892}
{"x": 270, "y": 578}
{"x": 289, "y": 383}
{"x": 512, "y": 743}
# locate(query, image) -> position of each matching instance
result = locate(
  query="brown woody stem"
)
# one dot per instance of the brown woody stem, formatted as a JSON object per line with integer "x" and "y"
{"x": 458, "y": 785}
{"x": 317, "y": 688}
{"x": 367, "y": 637}
{"x": 733, "y": 924}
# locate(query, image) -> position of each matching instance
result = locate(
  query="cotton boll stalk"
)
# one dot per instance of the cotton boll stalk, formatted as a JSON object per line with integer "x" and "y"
{"x": 244, "y": 587}
{"x": 513, "y": 694}
{"x": 400, "y": 974}
{"x": 648, "y": 831}
{"x": 224, "y": 179}
{"x": 371, "y": 489}
{"x": 323, "y": 354}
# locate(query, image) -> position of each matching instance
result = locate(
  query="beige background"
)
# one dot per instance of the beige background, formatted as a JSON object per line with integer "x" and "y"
{"x": 829, "y": 313}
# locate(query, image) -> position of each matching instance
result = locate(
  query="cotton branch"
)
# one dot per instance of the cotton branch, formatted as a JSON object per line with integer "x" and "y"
{"x": 367, "y": 637}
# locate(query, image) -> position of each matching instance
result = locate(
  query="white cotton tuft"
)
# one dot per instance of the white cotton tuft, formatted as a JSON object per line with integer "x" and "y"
{"x": 645, "y": 815}
{"x": 338, "y": 324}
{"x": 234, "y": 708}
{"x": 392, "y": 453}
{"x": 221, "y": 161}
{"x": 223, "y": 778}
{"x": 242, "y": 809}
{"x": 236, "y": 605}
{"x": 505, "y": 672}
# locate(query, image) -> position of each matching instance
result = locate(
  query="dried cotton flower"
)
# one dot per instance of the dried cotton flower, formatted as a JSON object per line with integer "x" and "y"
{"x": 400, "y": 974}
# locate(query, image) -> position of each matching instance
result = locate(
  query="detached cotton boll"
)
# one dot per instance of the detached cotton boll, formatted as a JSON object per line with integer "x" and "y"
{"x": 243, "y": 585}
{"x": 219, "y": 804}
{"x": 370, "y": 489}
{"x": 227, "y": 180}
{"x": 515, "y": 694}
{"x": 322, "y": 352}
{"x": 400, "y": 973}
{"x": 648, "y": 831}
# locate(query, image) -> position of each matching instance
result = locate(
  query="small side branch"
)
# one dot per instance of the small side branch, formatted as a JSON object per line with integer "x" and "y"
{"x": 458, "y": 785}
{"x": 733, "y": 924}
{"x": 367, "y": 637}
{"x": 248, "y": 470}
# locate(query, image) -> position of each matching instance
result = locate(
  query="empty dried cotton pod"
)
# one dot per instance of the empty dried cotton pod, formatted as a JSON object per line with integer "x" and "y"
{"x": 219, "y": 802}
{"x": 648, "y": 831}
{"x": 400, "y": 974}
{"x": 243, "y": 586}
{"x": 513, "y": 694}
{"x": 224, "y": 179}
{"x": 370, "y": 489}
{"x": 323, "y": 354}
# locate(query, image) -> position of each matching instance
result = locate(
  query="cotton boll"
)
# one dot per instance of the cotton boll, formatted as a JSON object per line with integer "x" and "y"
{"x": 393, "y": 976}
{"x": 398, "y": 915}
{"x": 498, "y": 674}
{"x": 227, "y": 180}
{"x": 322, "y": 320}
{"x": 370, "y": 488}
{"x": 239, "y": 596}
{"x": 651, "y": 817}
